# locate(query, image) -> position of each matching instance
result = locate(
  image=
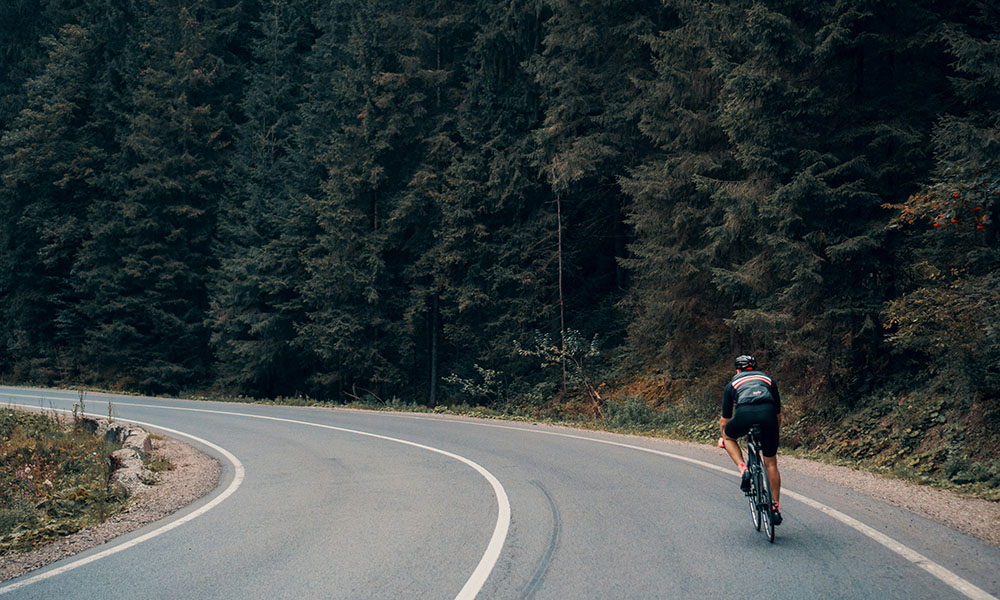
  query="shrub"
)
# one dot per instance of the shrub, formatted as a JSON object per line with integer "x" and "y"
{"x": 635, "y": 413}
{"x": 53, "y": 480}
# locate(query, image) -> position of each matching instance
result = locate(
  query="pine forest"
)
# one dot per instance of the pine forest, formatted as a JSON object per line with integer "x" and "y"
{"x": 541, "y": 207}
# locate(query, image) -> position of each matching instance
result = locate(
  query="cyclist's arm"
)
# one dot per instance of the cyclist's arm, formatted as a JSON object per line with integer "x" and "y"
{"x": 728, "y": 398}
{"x": 777, "y": 402}
{"x": 728, "y": 402}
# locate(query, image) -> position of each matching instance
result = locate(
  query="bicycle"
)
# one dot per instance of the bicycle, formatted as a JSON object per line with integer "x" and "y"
{"x": 759, "y": 497}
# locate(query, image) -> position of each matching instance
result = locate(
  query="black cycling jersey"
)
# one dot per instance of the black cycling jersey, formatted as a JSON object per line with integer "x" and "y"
{"x": 730, "y": 395}
{"x": 743, "y": 416}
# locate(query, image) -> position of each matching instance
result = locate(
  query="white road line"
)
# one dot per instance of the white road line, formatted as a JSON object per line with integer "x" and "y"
{"x": 944, "y": 575}
{"x": 947, "y": 577}
{"x": 233, "y": 486}
{"x": 486, "y": 564}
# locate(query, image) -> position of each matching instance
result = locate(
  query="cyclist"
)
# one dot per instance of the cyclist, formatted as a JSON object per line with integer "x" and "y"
{"x": 751, "y": 397}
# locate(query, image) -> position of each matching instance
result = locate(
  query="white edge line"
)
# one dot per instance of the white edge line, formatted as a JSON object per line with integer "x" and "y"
{"x": 488, "y": 561}
{"x": 233, "y": 486}
{"x": 944, "y": 575}
{"x": 469, "y": 591}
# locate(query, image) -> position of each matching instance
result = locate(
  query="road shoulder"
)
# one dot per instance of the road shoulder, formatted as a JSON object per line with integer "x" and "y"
{"x": 195, "y": 474}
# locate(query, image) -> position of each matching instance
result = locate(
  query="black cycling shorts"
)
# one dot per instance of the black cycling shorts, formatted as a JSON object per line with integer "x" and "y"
{"x": 762, "y": 414}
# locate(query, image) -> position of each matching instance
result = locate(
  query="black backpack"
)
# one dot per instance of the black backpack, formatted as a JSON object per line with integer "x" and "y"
{"x": 752, "y": 387}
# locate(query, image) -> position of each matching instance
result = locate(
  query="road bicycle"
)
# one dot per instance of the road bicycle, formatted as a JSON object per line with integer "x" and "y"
{"x": 759, "y": 495}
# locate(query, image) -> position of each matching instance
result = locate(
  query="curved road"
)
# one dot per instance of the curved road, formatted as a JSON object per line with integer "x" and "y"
{"x": 321, "y": 503}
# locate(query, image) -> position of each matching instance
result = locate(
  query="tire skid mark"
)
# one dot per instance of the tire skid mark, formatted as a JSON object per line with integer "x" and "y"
{"x": 543, "y": 565}
{"x": 941, "y": 573}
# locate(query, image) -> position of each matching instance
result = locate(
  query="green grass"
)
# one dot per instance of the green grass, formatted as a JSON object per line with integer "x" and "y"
{"x": 157, "y": 463}
{"x": 53, "y": 480}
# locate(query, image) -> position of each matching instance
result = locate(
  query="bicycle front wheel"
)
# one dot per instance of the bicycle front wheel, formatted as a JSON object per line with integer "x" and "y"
{"x": 753, "y": 498}
{"x": 767, "y": 508}
{"x": 754, "y": 512}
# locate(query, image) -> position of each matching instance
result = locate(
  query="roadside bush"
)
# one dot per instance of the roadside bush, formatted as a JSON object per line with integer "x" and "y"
{"x": 53, "y": 480}
{"x": 635, "y": 413}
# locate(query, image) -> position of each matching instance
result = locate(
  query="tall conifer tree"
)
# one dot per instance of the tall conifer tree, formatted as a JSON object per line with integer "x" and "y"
{"x": 348, "y": 291}
{"x": 948, "y": 312}
{"x": 435, "y": 40}
{"x": 143, "y": 273}
{"x": 488, "y": 266}
{"x": 676, "y": 313}
{"x": 264, "y": 223}
{"x": 592, "y": 53}
{"x": 51, "y": 162}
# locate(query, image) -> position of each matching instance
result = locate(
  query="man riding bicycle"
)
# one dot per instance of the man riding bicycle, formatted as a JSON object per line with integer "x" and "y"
{"x": 751, "y": 398}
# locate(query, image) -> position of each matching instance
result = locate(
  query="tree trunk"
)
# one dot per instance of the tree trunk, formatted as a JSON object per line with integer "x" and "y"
{"x": 562, "y": 311}
{"x": 434, "y": 351}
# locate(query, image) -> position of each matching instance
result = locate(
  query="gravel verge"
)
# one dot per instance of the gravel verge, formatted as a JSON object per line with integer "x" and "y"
{"x": 194, "y": 475}
{"x": 976, "y": 517}
{"x": 972, "y": 516}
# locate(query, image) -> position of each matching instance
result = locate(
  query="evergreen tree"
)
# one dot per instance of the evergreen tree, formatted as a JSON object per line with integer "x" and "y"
{"x": 948, "y": 312}
{"x": 17, "y": 43}
{"x": 592, "y": 55}
{"x": 770, "y": 182}
{"x": 842, "y": 150}
{"x": 24, "y": 25}
{"x": 780, "y": 212}
{"x": 264, "y": 224}
{"x": 349, "y": 291}
{"x": 51, "y": 160}
{"x": 435, "y": 43}
{"x": 143, "y": 270}
{"x": 488, "y": 269}
{"x": 676, "y": 311}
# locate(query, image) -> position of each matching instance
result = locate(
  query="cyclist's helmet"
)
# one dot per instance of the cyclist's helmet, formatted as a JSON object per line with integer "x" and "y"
{"x": 745, "y": 362}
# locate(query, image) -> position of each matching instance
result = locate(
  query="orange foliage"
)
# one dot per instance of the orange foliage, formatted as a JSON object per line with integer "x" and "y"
{"x": 940, "y": 208}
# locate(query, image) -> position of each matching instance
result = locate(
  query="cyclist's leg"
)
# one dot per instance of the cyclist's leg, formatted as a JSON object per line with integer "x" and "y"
{"x": 769, "y": 433}
{"x": 736, "y": 428}
{"x": 771, "y": 466}
{"x": 733, "y": 449}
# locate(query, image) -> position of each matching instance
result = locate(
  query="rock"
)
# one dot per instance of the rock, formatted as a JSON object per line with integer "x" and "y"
{"x": 113, "y": 433}
{"x": 130, "y": 473}
{"x": 138, "y": 440}
{"x": 129, "y": 436}
{"x": 118, "y": 490}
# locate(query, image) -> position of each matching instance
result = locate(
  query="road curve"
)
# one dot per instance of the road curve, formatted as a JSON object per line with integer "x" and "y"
{"x": 321, "y": 503}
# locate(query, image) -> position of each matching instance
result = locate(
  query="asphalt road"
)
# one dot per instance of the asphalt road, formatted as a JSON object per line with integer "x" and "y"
{"x": 321, "y": 503}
